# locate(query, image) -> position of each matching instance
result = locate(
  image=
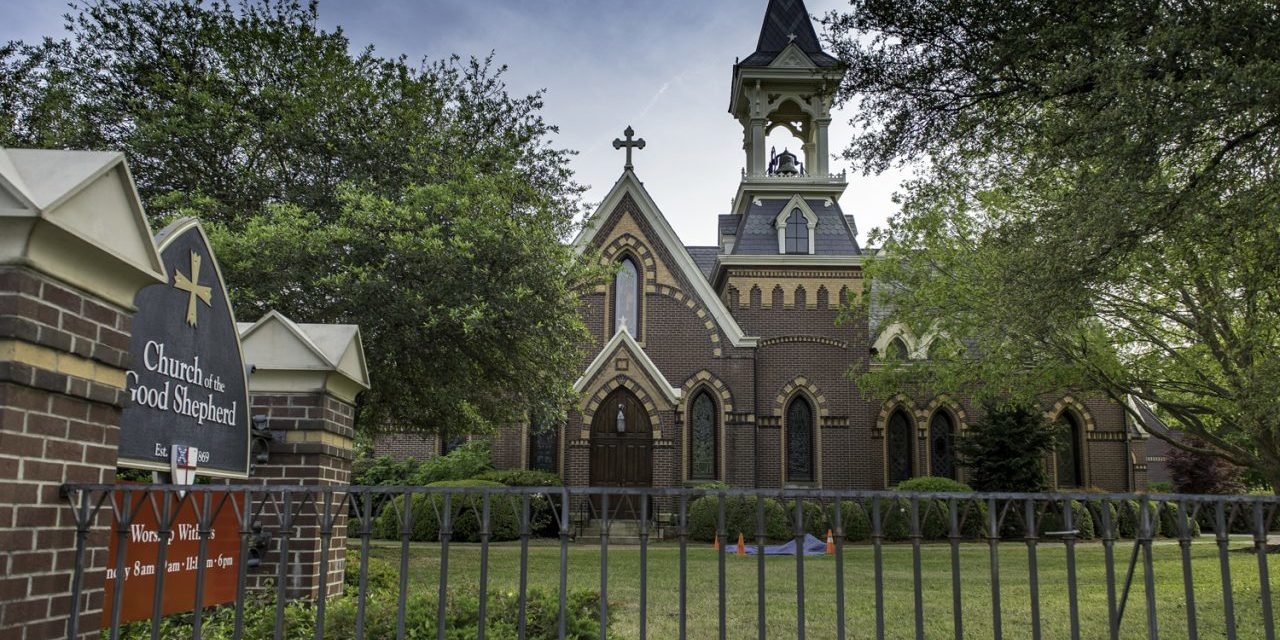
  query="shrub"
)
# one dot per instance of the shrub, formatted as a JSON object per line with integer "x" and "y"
{"x": 1081, "y": 520}
{"x": 382, "y": 575}
{"x": 1128, "y": 516}
{"x": 521, "y": 478}
{"x": 462, "y": 613}
{"x": 933, "y": 484}
{"x": 1202, "y": 473}
{"x": 855, "y": 518}
{"x": 739, "y": 517}
{"x": 542, "y": 514}
{"x": 504, "y": 511}
{"x": 1005, "y": 450}
{"x": 1169, "y": 518}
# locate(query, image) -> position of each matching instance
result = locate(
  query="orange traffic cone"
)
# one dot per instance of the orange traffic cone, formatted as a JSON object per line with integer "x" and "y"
{"x": 742, "y": 545}
{"x": 715, "y": 544}
{"x": 831, "y": 544}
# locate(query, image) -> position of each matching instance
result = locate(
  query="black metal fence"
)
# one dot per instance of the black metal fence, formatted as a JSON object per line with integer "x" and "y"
{"x": 943, "y": 551}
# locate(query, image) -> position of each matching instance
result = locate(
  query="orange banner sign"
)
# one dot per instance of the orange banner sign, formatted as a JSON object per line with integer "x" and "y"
{"x": 182, "y": 561}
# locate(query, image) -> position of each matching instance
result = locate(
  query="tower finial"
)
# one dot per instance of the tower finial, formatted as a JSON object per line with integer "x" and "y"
{"x": 629, "y": 144}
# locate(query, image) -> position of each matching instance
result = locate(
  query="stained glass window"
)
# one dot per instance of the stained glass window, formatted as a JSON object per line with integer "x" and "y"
{"x": 797, "y": 233}
{"x": 900, "y": 449}
{"x": 941, "y": 439}
{"x": 626, "y": 303}
{"x": 800, "y": 441}
{"x": 542, "y": 447}
{"x": 702, "y": 434}
{"x": 1068, "y": 452}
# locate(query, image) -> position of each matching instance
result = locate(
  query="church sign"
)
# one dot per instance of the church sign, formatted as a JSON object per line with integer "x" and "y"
{"x": 188, "y": 409}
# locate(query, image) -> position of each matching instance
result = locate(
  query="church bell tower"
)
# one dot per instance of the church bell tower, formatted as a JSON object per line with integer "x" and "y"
{"x": 788, "y": 82}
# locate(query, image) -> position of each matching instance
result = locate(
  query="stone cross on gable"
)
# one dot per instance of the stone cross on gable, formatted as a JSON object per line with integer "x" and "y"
{"x": 630, "y": 144}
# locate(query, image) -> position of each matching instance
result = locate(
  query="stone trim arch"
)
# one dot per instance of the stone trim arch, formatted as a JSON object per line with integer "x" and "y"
{"x": 887, "y": 408}
{"x": 790, "y": 389}
{"x": 944, "y": 402}
{"x": 720, "y": 394}
{"x": 1069, "y": 404}
{"x": 592, "y": 404}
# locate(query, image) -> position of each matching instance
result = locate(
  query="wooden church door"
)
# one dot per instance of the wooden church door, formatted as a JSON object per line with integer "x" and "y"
{"x": 621, "y": 449}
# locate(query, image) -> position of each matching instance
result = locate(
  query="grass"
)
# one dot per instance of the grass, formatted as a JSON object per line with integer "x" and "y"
{"x": 860, "y": 616}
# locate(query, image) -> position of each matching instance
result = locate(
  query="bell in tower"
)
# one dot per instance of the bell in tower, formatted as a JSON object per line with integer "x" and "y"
{"x": 787, "y": 82}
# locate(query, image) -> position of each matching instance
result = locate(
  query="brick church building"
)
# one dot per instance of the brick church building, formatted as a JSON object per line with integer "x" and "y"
{"x": 725, "y": 363}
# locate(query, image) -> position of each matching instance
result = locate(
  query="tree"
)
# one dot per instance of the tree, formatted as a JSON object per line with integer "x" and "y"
{"x": 1198, "y": 473}
{"x": 1007, "y": 448}
{"x": 1098, "y": 204}
{"x": 425, "y": 204}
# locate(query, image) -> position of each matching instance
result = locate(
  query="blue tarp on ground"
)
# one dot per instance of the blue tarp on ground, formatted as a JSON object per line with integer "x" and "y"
{"x": 812, "y": 547}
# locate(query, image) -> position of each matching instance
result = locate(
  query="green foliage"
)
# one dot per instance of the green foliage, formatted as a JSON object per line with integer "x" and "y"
{"x": 428, "y": 510}
{"x": 522, "y": 478}
{"x": 739, "y": 517}
{"x": 381, "y": 575}
{"x": 462, "y": 613}
{"x": 1170, "y": 517}
{"x": 1128, "y": 519}
{"x": 933, "y": 484}
{"x": 426, "y": 204}
{"x": 1086, "y": 215}
{"x": 1005, "y": 450}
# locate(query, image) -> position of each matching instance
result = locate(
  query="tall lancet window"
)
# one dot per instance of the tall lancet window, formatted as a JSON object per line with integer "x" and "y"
{"x": 797, "y": 233}
{"x": 702, "y": 437}
{"x": 626, "y": 298}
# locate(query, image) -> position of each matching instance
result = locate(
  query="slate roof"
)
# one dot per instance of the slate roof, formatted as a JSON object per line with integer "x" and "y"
{"x": 1151, "y": 423}
{"x": 756, "y": 234}
{"x": 705, "y": 257}
{"x": 729, "y": 224}
{"x": 782, "y": 19}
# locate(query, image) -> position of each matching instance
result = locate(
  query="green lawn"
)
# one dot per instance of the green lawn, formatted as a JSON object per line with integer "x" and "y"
{"x": 584, "y": 573}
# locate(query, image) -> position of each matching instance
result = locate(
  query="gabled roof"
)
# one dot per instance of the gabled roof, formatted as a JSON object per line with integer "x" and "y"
{"x": 705, "y": 257}
{"x": 684, "y": 263}
{"x": 1149, "y": 422}
{"x": 623, "y": 340}
{"x": 787, "y": 22}
{"x": 275, "y": 342}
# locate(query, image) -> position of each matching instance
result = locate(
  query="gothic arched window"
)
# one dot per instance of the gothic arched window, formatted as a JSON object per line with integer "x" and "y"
{"x": 899, "y": 447}
{"x": 702, "y": 437}
{"x": 1070, "y": 466}
{"x": 942, "y": 445}
{"x": 800, "y": 441}
{"x": 626, "y": 298}
{"x": 542, "y": 447}
{"x": 797, "y": 233}
{"x": 897, "y": 349}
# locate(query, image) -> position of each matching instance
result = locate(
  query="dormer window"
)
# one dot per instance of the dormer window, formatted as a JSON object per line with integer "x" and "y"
{"x": 797, "y": 239}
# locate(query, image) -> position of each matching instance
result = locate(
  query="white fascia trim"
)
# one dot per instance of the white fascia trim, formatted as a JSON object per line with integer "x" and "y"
{"x": 624, "y": 338}
{"x": 667, "y": 236}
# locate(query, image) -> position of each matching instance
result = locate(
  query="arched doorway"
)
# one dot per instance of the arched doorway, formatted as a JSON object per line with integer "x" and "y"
{"x": 621, "y": 446}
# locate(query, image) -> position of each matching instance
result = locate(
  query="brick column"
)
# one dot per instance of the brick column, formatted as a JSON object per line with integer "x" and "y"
{"x": 307, "y": 392}
{"x": 66, "y": 308}
{"x": 62, "y": 360}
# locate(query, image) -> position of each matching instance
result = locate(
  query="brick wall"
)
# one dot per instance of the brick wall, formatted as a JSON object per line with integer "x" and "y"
{"x": 63, "y": 353}
{"x": 312, "y": 447}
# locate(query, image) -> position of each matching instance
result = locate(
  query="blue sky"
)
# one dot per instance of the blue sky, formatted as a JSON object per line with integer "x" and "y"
{"x": 662, "y": 66}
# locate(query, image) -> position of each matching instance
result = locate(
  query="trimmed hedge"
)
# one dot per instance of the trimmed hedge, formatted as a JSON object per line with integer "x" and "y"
{"x": 739, "y": 517}
{"x": 521, "y": 478}
{"x": 504, "y": 512}
{"x": 933, "y": 484}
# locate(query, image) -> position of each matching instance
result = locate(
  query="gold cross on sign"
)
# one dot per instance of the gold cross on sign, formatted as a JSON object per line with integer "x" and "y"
{"x": 193, "y": 287}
